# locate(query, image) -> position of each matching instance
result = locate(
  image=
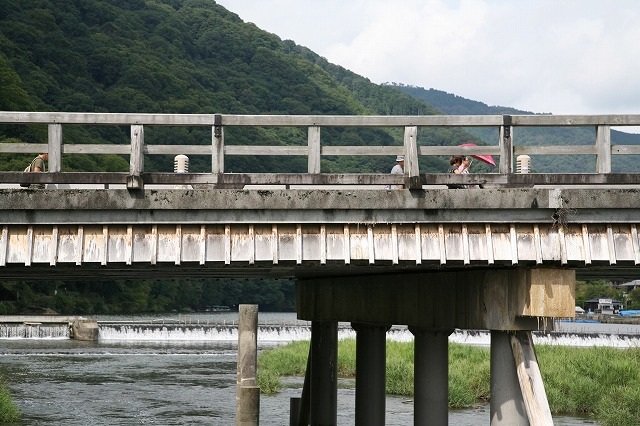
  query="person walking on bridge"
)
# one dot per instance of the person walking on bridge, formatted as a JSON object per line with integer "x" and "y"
{"x": 37, "y": 165}
{"x": 398, "y": 169}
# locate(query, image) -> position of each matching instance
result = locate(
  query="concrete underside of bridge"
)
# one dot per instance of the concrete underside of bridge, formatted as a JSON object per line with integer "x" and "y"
{"x": 510, "y": 303}
{"x": 518, "y": 299}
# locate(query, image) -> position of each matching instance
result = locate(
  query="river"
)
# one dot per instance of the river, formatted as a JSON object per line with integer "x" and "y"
{"x": 133, "y": 378}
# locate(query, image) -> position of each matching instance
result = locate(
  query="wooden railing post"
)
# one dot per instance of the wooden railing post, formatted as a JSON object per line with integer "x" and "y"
{"x": 55, "y": 148}
{"x": 313, "y": 139}
{"x": 506, "y": 145}
{"x": 136, "y": 162}
{"x": 217, "y": 142}
{"x": 411, "y": 167}
{"x": 603, "y": 147}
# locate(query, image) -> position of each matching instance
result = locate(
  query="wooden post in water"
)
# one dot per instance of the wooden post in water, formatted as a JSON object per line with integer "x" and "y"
{"x": 247, "y": 391}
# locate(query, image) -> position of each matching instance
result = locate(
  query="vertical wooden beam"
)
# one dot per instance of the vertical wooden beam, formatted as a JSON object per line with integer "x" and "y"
{"x": 274, "y": 243}
{"x": 154, "y": 244}
{"x": 55, "y": 147}
{"x": 227, "y": 244}
{"x": 442, "y": 245}
{"x": 465, "y": 245}
{"x": 506, "y": 146}
{"x": 136, "y": 161}
{"x": 488, "y": 233}
{"x": 313, "y": 140}
{"x": 252, "y": 245}
{"x": 248, "y": 394}
{"x": 105, "y": 246}
{"x": 563, "y": 245}
{"x": 371, "y": 245}
{"x": 635, "y": 244}
{"x": 217, "y": 148}
{"x": 394, "y": 244}
{"x": 347, "y": 245}
{"x": 411, "y": 167}
{"x": 299, "y": 247}
{"x": 178, "y": 244}
{"x": 586, "y": 244}
{"x": 203, "y": 244}
{"x": 29, "y": 242}
{"x": 611, "y": 244}
{"x": 80, "y": 245}
{"x": 54, "y": 246}
{"x": 603, "y": 148}
{"x": 129, "y": 246}
{"x": 323, "y": 244}
{"x": 418, "y": 233}
{"x": 4, "y": 245}
{"x": 514, "y": 244}
{"x": 537, "y": 243}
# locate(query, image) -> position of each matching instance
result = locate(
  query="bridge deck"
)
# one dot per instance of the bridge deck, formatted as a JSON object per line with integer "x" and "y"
{"x": 311, "y": 233}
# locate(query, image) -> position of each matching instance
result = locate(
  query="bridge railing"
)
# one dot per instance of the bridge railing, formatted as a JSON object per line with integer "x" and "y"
{"x": 314, "y": 150}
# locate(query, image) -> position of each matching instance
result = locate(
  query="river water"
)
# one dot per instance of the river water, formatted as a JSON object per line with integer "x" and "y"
{"x": 132, "y": 377}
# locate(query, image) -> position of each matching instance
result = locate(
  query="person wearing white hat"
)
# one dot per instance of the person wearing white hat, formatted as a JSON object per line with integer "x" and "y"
{"x": 398, "y": 169}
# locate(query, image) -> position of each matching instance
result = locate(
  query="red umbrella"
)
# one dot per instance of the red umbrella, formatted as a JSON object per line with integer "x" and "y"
{"x": 486, "y": 158}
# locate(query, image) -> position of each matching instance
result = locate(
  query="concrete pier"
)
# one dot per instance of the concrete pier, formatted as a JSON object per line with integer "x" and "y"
{"x": 84, "y": 329}
{"x": 370, "y": 374}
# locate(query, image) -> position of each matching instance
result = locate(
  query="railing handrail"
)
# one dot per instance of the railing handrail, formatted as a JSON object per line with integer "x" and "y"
{"x": 314, "y": 150}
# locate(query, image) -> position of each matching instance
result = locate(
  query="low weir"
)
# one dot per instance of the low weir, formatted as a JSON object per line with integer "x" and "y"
{"x": 566, "y": 334}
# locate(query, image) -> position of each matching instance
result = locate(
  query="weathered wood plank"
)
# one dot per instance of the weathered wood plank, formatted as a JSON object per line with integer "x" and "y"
{"x": 530, "y": 379}
{"x": 556, "y": 150}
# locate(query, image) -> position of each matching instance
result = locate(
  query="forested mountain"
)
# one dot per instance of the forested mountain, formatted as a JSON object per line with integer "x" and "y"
{"x": 183, "y": 56}
{"x": 448, "y": 103}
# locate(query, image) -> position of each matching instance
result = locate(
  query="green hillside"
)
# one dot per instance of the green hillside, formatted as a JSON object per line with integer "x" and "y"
{"x": 183, "y": 56}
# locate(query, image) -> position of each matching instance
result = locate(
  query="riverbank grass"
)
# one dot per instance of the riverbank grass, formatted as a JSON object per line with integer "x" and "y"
{"x": 602, "y": 383}
{"x": 9, "y": 412}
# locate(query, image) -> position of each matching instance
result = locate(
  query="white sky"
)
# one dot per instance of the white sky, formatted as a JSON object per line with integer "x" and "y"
{"x": 551, "y": 56}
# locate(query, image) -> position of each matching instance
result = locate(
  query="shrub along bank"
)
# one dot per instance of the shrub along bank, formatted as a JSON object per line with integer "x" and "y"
{"x": 603, "y": 383}
{"x": 9, "y": 412}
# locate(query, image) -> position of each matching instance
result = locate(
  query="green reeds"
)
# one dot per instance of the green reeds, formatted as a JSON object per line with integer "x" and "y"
{"x": 9, "y": 412}
{"x": 603, "y": 383}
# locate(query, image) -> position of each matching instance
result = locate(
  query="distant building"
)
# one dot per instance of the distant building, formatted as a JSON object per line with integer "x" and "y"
{"x": 603, "y": 306}
{"x": 628, "y": 286}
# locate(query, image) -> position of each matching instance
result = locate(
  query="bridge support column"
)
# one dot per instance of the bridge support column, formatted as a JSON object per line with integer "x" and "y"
{"x": 431, "y": 376}
{"x": 324, "y": 373}
{"x": 371, "y": 353}
{"x": 507, "y": 404}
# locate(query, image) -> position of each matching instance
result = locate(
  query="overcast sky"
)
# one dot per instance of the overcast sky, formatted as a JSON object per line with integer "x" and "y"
{"x": 552, "y": 56}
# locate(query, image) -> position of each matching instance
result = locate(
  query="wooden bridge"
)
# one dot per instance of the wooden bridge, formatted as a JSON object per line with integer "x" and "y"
{"x": 503, "y": 257}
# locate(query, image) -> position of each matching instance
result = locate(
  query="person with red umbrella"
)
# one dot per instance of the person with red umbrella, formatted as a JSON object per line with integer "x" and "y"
{"x": 484, "y": 158}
